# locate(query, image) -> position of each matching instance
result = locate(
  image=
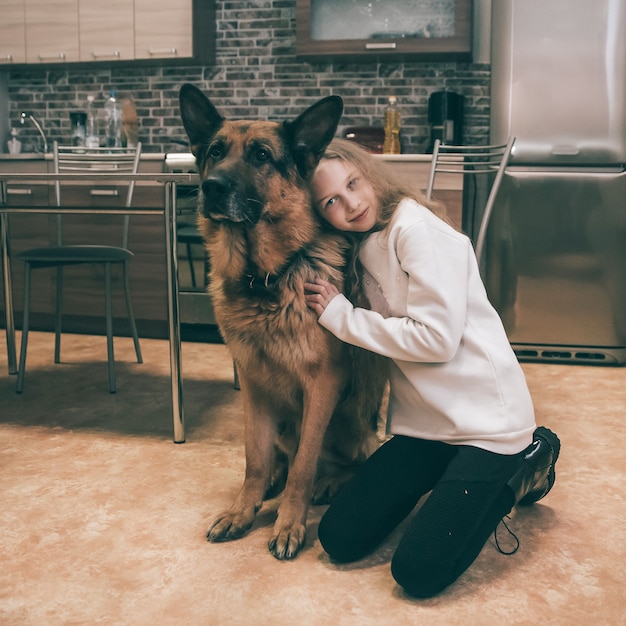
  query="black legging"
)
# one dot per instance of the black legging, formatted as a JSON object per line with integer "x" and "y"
{"x": 469, "y": 498}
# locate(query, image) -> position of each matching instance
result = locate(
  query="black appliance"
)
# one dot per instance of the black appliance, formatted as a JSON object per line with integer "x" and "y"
{"x": 445, "y": 117}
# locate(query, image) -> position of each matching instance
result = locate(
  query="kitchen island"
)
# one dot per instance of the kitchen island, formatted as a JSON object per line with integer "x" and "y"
{"x": 148, "y": 269}
{"x": 26, "y": 206}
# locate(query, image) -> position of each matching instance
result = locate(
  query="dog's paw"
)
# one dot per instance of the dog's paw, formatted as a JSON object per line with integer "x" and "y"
{"x": 229, "y": 526}
{"x": 286, "y": 543}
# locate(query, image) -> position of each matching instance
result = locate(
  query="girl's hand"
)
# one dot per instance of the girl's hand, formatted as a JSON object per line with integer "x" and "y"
{"x": 317, "y": 295}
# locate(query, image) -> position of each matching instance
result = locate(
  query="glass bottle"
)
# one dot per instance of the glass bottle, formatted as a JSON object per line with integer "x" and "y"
{"x": 92, "y": 139}
{"x": 113, "y": 117}
{"x": 392, "y": 128}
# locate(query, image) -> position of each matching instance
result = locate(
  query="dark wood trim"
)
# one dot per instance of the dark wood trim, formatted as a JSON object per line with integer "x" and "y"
{"x": 457, "y": 48}
{"x": 203, "y": 27}
{"x": 204, "y": 31}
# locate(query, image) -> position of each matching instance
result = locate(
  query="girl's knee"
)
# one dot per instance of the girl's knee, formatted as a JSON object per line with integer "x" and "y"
{"x": 336, "y": 542}
{"x": 342, "y": 542}
{"x": 420, "y": 579}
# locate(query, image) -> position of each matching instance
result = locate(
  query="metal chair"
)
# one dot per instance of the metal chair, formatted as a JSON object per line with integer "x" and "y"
{"x": 189, "y": 235}
{"x": 68, "y": 159}
{"x": 487, "y": 161}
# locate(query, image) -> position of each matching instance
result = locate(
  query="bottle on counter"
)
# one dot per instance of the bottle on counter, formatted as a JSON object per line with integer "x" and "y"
{"x": 14, "y": 144}
{"x": 78, "y": 122}
{"x": 92, "y": 138}
{"x": 130, "y": 124}
{"x": 113, "y": 121}
{"x": 392, "y": 128}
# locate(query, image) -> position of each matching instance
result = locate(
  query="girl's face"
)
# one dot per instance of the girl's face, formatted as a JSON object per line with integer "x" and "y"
{"x": 343, "y": 197}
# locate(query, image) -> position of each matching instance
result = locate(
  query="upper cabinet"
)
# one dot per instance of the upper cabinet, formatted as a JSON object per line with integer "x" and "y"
{"x": 106, "y": 30}
{"x": 51, "y": 31}
{"x": 163, "y": 29}
{"x": 54, "y": 32}
{"x": 362, "y": 30}
{"x": 12, "y": 32}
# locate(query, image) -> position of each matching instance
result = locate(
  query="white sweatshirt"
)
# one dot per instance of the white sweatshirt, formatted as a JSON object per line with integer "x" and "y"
{"x": 454, "y": 376}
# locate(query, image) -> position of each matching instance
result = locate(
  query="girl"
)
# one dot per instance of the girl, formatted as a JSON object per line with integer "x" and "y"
{"x": 460, "y": 411}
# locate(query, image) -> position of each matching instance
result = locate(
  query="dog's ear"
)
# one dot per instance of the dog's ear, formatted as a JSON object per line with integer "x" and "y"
{"x": 311, "y": 132}
{"x": 200, "y": 118}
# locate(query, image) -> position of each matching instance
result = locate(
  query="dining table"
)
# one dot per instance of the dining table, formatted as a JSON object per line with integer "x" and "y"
{"x": 168, "y": 182}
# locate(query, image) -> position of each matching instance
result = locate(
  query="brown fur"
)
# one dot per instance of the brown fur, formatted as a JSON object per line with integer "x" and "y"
{"x": 310, "y": 401}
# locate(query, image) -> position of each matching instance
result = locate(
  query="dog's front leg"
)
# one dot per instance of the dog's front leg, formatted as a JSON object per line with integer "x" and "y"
{"x": 320, "y": 399}
{"x": 259, "y": 436}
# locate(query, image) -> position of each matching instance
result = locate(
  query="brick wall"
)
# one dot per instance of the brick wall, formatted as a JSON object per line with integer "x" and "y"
{"x": 256, "y": 75}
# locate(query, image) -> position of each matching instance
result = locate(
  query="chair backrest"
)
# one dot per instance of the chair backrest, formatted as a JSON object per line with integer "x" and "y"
{"x": 488, "y": 161}
{"x": 72, "y": 160}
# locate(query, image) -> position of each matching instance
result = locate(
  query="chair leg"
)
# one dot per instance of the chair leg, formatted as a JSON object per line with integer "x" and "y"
{"x": 129, "y": 312}
{"x": 19, "y": 387}
{"x": 58, "y": 308}
{"x": 192, "y": 271}
{"x": 109, "y": 322}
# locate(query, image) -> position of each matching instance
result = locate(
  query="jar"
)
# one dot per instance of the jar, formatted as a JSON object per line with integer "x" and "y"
{"x": 78, "y": 122}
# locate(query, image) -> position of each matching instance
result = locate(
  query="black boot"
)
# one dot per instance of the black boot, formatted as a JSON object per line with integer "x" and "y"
{"x": 536, "y": 475}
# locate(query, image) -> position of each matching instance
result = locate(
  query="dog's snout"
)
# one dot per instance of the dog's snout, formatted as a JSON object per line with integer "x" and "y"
{"x": 216, "y": 187}
{"x": 223, "y": 198}
{"x": 217, "y": 192}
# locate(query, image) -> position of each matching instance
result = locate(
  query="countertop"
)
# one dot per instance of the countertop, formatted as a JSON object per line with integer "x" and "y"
{"x": 160, "y": 156}
{"x": 38, "y": 156}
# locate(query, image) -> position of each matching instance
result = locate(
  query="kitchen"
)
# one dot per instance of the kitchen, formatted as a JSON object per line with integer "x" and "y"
{"x": 257, "y": 74}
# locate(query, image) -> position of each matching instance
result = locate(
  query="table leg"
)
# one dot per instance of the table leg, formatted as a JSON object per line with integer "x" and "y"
{"x": 8, "y": 294}
{"x": 174, "y": 314}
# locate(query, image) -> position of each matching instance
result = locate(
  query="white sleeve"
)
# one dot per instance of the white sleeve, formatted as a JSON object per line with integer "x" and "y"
{"x": 437, "y": 266}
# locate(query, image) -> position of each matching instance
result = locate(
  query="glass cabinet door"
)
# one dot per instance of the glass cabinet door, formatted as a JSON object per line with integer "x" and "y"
{"x": 377, "y": 28}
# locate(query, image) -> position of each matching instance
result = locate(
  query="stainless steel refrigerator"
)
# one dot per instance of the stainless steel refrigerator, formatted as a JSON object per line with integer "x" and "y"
{"x": 555, "y": 263}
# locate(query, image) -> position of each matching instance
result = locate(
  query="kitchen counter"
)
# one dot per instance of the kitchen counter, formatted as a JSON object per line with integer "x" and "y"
{"x": 25, "y": 156}
{"x": 38, "y": 156}
{"x": 187, "y": 156}
{"x": 30, "y": 207}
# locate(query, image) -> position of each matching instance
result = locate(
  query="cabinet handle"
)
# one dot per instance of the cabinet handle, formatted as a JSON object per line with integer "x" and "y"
{"x": 381, "y": 46}
{"x": 104, "y": 192}
{"x": 116, "y": 54}
{"x": 48, "y": 57}
{"x": 19, "y": 191}
{"x": 163, "y": 51}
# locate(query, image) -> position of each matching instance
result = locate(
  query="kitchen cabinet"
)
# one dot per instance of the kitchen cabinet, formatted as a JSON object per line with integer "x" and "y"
{"x": 106, "y": 30}
{"x": 83, "y": 301}
{"x": 12, "y": 32}
{"x": 51, "y": 31}
{"x": 57, "y": 32}
{"x": 163, "y": 29}
{"x": 365, "y": 31}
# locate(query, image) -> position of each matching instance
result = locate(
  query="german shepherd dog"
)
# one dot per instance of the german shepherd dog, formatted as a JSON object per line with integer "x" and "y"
{"x": 311, "y": 403}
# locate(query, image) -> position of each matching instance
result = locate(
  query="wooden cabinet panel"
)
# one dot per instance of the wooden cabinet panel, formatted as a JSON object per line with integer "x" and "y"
{"x": 366, "y": 31}
{"x": 29, "y": 194}
{"x": 51, "y": 31}
{"x": 106, "y": 30}
{"x": 54, "y": 32}
{"x": 163, "y": 29}
{"x": 12, "y": 32}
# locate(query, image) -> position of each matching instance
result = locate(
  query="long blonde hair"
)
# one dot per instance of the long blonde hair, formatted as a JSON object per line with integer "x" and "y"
{"x": 389, "y": 190}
